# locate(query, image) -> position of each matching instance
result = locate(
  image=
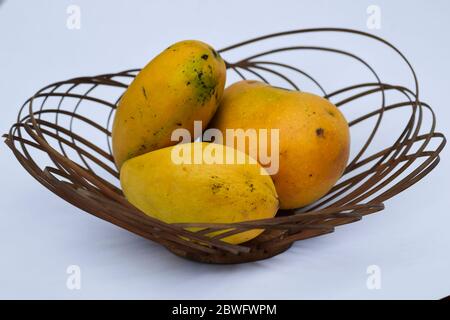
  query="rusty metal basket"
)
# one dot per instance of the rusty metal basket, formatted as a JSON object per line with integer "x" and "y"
{"x": 62, "y": 138}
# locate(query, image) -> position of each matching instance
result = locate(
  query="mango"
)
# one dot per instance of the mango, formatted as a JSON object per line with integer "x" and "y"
{"x": 182, "y": 84}
{"x": 202, "y": 190}
{"x": 314, "y": 138}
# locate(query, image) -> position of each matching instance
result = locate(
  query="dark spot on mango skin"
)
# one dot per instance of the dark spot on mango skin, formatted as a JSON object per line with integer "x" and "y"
{"x": 254, "y": 206}
{"x": 320, "y": 132}
{"x": 250, "y": 185}
{"x": 179, "y": 124}
{"x": 215, "y": 187}
{"x": 331, "y": 113}
{"x": 205, "y": 57}
{"x": 145, "y": 93}
{"x": 158, "y": 131}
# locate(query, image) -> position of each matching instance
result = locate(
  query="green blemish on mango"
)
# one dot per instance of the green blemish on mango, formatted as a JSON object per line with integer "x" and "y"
{"x": 201, "y": 77}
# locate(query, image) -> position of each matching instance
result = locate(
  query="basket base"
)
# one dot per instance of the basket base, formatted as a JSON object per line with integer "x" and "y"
{"x": 229, "y": 258}
{"x": 257, "y": 252}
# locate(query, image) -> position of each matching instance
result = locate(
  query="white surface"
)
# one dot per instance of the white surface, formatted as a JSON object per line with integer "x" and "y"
{"x": 40, "y": 237}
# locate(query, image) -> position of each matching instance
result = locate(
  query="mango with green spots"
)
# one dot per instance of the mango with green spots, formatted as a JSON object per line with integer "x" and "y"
{"x": 183, "y": 84}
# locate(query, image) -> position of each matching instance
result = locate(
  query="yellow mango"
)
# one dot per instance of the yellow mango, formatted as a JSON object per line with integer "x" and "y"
{"x": 314, "y": 138}
{"x": 200, "y": 191}
{"x": 182, "y": 84}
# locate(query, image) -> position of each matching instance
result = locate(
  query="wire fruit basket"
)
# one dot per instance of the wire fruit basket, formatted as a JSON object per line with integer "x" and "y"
{"x": 62, "y": 137}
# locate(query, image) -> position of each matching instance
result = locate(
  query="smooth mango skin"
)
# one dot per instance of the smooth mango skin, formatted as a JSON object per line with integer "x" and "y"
{"x": 199, "y": 193}
{"x": 314, "y": 138}
{"x": 182, "y": 84}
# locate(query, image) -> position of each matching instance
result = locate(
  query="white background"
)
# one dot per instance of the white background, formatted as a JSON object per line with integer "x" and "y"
{"x": 41, "y": 235}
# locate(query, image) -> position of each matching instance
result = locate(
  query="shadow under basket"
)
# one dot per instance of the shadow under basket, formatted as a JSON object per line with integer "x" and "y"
{"x": 63, "y": 132}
